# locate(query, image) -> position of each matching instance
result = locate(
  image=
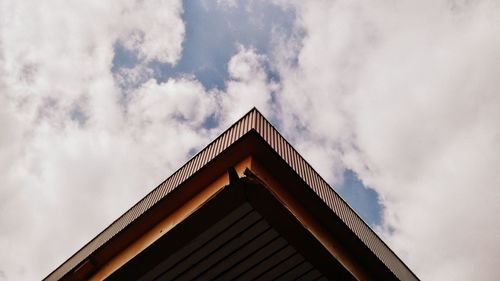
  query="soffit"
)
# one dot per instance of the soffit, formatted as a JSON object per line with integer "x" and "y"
{"x": 231, "y": 238}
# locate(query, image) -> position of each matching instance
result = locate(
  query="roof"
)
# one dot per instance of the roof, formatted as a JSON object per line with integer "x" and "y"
{"x": 255, "y": 125}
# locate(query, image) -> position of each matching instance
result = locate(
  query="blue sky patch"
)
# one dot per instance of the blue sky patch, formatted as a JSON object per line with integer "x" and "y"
{"x": 213, "y": 33}
{"x": 364, "y": 200}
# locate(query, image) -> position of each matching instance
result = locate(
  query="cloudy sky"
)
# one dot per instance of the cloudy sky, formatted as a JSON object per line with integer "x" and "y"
{"x": 395, "y": 103}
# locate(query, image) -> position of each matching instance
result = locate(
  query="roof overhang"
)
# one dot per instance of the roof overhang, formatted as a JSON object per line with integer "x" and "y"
{"x": 279, "y": 184}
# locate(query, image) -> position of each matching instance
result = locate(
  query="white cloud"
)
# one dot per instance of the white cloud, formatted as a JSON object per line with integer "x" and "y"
{"x": 153, "y": 29}
{"x": 71, "y": 159}
{"x": 406, "y": 94}
{"x": 248, "y": 86}
{"x": 80, "y": 144}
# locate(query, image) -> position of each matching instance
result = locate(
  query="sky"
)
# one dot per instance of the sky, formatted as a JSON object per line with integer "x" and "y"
{"x": 395, "y": 103}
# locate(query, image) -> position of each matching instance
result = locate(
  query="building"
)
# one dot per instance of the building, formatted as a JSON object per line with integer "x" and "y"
{"x": 246, "y": 207}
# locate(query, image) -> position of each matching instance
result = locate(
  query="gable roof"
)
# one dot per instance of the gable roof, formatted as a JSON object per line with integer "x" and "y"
{"x": 253, "y": 123}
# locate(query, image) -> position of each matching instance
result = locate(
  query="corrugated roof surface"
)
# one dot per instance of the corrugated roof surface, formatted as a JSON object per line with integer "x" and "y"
{"x": 253, "y": 120}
